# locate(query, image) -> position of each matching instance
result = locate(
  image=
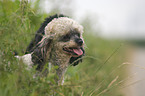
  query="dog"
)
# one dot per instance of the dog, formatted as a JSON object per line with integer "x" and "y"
{"x": 58, "y": 41}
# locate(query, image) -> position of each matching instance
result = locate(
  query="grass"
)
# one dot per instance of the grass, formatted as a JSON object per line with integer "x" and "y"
{"x": 98, "y": 75}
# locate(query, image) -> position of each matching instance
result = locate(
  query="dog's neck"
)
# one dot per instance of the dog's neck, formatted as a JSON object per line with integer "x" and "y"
{"x": 61, "y": 60}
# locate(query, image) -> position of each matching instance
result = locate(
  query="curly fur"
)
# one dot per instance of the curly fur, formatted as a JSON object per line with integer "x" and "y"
{"x": 55, "y": 38}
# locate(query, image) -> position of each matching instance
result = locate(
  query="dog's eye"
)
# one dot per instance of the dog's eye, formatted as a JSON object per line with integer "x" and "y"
{"x": 65, "y": 38}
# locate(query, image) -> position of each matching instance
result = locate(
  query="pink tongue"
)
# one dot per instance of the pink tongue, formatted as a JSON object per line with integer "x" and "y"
{"x": 78, "y": 51}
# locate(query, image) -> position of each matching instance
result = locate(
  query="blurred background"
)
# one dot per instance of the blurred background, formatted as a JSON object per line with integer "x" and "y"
{"x": 114, "y": 63}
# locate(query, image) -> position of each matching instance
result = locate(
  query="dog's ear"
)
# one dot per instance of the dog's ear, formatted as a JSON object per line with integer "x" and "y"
{"x": 39, "y": 55}
{"x": 76, "y": 60}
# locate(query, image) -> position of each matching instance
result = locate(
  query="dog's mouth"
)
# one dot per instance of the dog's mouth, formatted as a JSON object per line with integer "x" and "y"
{"x": 73, "y": 51}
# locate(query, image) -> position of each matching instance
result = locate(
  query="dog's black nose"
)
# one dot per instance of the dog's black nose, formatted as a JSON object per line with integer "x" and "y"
{"x": 79, "y": 42}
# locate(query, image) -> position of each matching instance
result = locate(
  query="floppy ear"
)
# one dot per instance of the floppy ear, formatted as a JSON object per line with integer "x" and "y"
{"x": 76, "y": 60}
{"x": 39, "y": 55}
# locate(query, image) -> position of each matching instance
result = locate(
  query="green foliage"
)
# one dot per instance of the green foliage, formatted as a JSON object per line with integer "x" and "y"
{"x": 98, "y": 75}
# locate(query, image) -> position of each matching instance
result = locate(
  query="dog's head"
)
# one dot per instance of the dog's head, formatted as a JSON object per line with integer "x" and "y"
{"x": 67, "y": 36}
{"x": 64, "y": 35}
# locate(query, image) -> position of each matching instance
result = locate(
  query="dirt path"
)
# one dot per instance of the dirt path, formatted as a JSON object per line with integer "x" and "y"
{"x": 136, "y": 73}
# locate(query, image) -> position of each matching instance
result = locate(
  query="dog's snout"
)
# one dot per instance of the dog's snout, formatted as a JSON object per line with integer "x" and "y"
{"x": 79, "y": 42}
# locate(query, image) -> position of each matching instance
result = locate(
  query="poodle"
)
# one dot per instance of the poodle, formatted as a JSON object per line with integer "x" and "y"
{"x": 58, "y": 41}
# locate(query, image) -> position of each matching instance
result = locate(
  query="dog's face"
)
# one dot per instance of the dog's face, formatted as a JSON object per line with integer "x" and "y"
{"x": 67, "y": 36}
{"x": 71, "y": 43}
